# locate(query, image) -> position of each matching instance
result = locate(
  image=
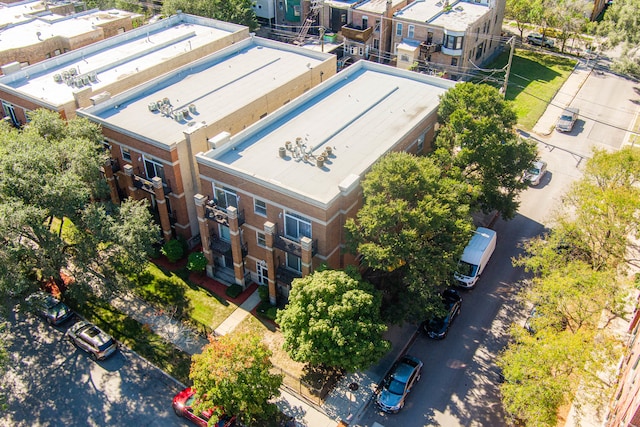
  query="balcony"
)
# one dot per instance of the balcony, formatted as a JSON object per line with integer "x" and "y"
{"x": 427, "y": 47}
{"x": 146, "y": 185}
{"x": 220, "y": 215}
{"x": 285, "y": 275}
{"x": 356, "y": 33}
{"x": 219, "y": 246}
{"x": 293, "y": 247}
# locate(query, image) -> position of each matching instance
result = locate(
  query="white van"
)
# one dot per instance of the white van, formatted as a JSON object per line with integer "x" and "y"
{"x": 475, "y": 257}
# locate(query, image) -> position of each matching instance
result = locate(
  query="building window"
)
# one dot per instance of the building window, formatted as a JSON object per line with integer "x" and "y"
{"x": 453, "y": 42}
{"x": 225, "y": 197}
{"x": 56, "y": 52}
{"x": 404, "y": 57}
{"x": 360, "y": 51}
{"x": 154, "y": 168}
{"x": 377, "y": 27}
{"x": 410, "y": 31}
{"x": 106, "y": 145}
{"x": 260, "y": 207}
{"x": 126, "y": 154}
{"x": 10, "y": 111}
{"x": 376, "y": 44}
{"x": 296, "y": 226}
{"x": 296, "y": 10}
{"x": 261, "y": 238}
{"x": 365, "y": 22}
{"x": 399, "y": 29}
{"x": 454, "y": 62}
{"x": 420, "y": 143}
{"x": 294, "y": 263}
{"x": 47, "y": 55}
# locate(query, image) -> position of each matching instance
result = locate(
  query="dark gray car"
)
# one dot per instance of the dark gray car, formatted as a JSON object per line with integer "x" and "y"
{"x": 50, "y": 308}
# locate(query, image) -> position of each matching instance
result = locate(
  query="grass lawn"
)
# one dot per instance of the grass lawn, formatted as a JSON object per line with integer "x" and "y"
{"x": 534, "y": 80}
{"x": 172, "y": 290}
{"x": 137, "y": 337}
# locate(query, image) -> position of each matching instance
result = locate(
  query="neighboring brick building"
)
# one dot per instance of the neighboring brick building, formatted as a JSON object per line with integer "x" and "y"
{"x": 274, "y": 198}
{"x": 37, "y": 38}
{"x": 155, "y": 130}
{"x": 92, "y": 74}
{"x": 453, "y": 36}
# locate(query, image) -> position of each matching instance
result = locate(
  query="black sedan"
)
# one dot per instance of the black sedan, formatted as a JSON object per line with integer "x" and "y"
{"x": 438, "y": 326}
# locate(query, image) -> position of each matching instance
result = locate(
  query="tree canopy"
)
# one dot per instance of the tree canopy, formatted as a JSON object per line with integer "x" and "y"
{"x": 233, "y": 375}
{"x": 236, "y": 11}
{"x": 622, "y": 28}
{"x": 333, "y": 319}
{"x": 410, "y": 232}
{"x": 52, "y": 213}
{"x": 579, "y": 285}
{"x": 478, "y": 145}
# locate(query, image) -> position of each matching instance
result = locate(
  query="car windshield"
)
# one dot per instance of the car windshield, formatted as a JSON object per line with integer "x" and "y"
{"x": 567, "y": 117}
{"x": 106, "y": 345}
{"x": 466, "y": 269}
{"x": 534, "y": 170}
{"x": 436, "y": 324}
{"x": 396, "y": 387}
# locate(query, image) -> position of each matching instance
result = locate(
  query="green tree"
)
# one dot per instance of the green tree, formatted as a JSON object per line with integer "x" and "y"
{"x": 333, "y": 319}
{"x": 477, "y": 144}
{"x": 621, "y": 27}
{"x": 233, "y": 375}
{"x": 521, "y": 12}
{"x": 572, "y": 18}
{"x": 51, "y": 170}
{"x": 236, "y": 11}
{"x": 410, "y": 232}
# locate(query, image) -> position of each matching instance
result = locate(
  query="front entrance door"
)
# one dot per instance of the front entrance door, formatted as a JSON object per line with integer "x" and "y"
{"x": 262, "y": 272}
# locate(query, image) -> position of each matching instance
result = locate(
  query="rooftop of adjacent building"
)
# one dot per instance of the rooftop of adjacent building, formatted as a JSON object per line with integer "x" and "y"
{"x": 361, "y": 113}
{"x": 378, "y": 6}
{"x": 14, "y": 13}
{"x": 458, "y": 16}
{"x": 217, "y": 85}
{"x": 37, "y": 29}
{"x": 107, "y": 61}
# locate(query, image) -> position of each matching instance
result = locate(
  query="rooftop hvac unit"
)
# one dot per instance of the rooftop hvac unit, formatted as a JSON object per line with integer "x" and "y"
{"x": 85, "y": 79}
{"x": 73, "y": 71}
{"x": 78, "y": 82}
{"x": 192, "y": 108}
{"x": 179, "y": 116}
{"x": 165, "y": 101}
{"x": 93, "y": 76}
{"x": 57, "y": 78}
{"x": 185, "y": 112}
{"x": 153, "y": 106}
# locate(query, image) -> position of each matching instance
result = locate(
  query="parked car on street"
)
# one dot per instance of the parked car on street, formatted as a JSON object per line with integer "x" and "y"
{"x": 567, "y": 119}
{"x": 538, "y": 40}
{"x": 398, "y": 383}
{"x": 535, "y": 173}
{"x": 183, "y": 403}
{"x": 49, "y": 307}
{"x": 438, "y": 326}
{"x": 92, "y": 339}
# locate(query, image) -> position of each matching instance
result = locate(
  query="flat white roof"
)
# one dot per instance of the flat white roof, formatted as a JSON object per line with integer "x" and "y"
{"x": 14, "y": 13}
{"x": 461, "y": 15}
{"x": 117, "y": 57}
{"x": 361, "y": 113}
{"x": 377, "y": 6}
{"x": 39, "y": 29}
{"x": 218, "y": 85}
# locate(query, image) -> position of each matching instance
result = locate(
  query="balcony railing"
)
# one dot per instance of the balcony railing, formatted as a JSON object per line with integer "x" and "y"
{"x": 353, "y": 32}
{"x": 220, "y": 215}
{"x": 285, "y": 275}
{"x": 292, "y": 246}
{"x": 427, "y": 47}
{"x": 146, "y": 185}
{"x": 219, "y": 246}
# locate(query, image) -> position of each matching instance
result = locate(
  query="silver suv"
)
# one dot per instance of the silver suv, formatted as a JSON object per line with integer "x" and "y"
{"x": 538, "y": 40}
{"x": 92, "y": 339}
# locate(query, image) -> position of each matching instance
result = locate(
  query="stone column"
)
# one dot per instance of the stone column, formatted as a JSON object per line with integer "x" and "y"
{"x": 236, "y": 245}
{"x": 128, "y": 182}
{"x": 269, "y": 231}
{"x": 203, "y": 224}
{"x": 111, "y": 182}
{"x": 306, "y": 256}
{"x": 163, "y": 212}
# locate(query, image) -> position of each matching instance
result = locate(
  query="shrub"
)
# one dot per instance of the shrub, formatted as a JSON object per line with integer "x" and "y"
{"x": 263, "y": 291}
{"x": 173, "y": 250}
{"x": 234, "y": 290}
{"x": 197, "y": 262}
{"x": 267, "y": 310}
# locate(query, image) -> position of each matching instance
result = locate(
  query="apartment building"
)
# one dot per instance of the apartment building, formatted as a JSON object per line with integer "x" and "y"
{"x": 453, "y": 36}
{"x": 154, "y": 131}
{"x": 92, "y": 74}
{"x": 34, "y": 37}
{"x": 368, "y": 33}
{"x": 274, "y": 198}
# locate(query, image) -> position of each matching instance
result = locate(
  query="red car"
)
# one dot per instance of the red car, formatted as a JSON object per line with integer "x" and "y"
{"x": 183, "y": 406}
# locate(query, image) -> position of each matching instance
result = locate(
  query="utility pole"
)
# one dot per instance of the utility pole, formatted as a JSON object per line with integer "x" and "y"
{"x": 512, "y": 43}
